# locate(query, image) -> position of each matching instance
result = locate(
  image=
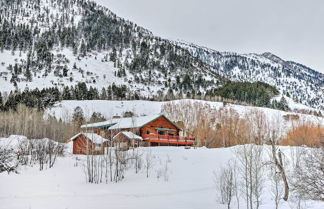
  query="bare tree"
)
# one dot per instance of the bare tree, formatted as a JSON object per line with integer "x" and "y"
{"x": 137, "y": 156}
{"x": 120, "y": 164}
{"x": 277, "y": 156}
{"x": 309, "y": 174}
{"x": 251, "y": 169}
{"x": 163, "y": 171}
{"x": 227, "y": 186}
{"x": 277, "y": 188}
{"x": 148, "y": 163}
{"x": 93, "y": 168}
{"x": 53, "y": 150}
{"x": 33, "y": 124}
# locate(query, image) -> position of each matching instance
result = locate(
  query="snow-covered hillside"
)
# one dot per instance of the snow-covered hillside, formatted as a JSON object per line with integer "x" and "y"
{"x": 50, "y": 43}
{"x": 62, "y": 43}
{"x": 64, "y": 110}
{"x": 301, "y": 83}
{"x": 188, "y": 182}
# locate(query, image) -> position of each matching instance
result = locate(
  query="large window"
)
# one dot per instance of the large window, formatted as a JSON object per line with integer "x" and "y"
{"x": 161, "y": 132}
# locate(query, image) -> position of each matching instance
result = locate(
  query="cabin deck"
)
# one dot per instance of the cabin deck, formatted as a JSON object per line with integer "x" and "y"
{"x": 166, "y": 139}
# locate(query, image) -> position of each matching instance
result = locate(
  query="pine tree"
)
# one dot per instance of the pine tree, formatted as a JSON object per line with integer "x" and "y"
{"x": 66, "y": 95}
{"x": 97, "y": 117}
{"x": 283, "y": 104}
{"x": 78, "y": 117}
{"x": 28, "y": 74}
{"x": 103, "y": 95}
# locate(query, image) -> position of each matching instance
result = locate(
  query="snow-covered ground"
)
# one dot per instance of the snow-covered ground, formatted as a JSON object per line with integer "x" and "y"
{"x": 188, "y": 184}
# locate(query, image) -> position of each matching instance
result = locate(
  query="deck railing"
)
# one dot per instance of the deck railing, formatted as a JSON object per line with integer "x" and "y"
{"x": 168, "y": 138}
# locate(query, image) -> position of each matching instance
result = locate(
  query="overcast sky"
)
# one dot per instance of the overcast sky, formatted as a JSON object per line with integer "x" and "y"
{"x": 291, "y": 29}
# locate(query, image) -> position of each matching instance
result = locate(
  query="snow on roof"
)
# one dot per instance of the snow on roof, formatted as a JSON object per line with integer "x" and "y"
{"x": 132, "y": 122}
{"x": 130, "y": 135}
{"x": 107, "y": 123}
{"x": 95, "y": 138}
{"x": 123, "y": 123}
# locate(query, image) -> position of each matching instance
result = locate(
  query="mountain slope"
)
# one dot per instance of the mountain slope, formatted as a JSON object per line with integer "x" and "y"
{"x": 47, "y": 43}
{"x": 59, "y": 43}
{"x": 302, "y": 84}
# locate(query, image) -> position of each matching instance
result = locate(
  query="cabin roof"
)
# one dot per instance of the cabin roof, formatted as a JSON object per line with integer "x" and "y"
{"x": 124, "y": 123}
{"x": 95, "y": 138}
{"x": 130, "y": 135}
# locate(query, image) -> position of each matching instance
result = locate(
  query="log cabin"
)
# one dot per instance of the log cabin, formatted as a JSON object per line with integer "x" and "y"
{"x": 155, "y": 130}
{"x": 88, "y": 143}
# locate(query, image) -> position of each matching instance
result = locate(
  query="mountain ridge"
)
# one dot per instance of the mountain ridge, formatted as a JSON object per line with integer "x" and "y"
{"x": 64, "y": 42}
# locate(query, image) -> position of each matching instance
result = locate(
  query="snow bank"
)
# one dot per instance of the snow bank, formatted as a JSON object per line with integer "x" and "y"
{"x": 12, "y": 142}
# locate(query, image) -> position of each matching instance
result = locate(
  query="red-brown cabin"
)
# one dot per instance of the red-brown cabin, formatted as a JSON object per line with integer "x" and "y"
{"x": 155, "y": 130}
{"x": 88, "y": 143}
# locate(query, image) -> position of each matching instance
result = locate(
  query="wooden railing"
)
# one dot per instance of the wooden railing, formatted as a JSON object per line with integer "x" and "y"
{"x": 168, "y": 139}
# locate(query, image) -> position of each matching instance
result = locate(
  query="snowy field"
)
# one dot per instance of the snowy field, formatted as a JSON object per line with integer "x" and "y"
{"x": 187, "y": 184}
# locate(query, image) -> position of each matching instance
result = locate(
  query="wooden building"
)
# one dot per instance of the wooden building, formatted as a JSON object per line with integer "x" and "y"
{"x": 88, "y": 143}
{"x": 155, "y": 130}
{"x": 125, "y": 140}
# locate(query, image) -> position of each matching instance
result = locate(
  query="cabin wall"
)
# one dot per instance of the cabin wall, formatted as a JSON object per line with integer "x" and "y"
{"x": 161, "y": 122}
{"x": 83, "y": 146}
{"x": 80, "y": 145}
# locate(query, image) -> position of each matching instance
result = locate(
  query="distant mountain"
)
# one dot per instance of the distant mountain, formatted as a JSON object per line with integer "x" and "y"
{"x": 59, "y": 43}
{"x": 302, "y": 84}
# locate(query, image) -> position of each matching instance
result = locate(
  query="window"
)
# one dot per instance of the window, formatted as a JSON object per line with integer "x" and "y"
{"x": 148, "y": 131}
{"x": 97, "y": 146}
{"x": 171, "y": 134}
{"x": 161, "y": 132}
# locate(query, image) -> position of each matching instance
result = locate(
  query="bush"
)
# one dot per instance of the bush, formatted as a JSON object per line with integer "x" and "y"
{"x": 8, "y": 160}
{"x": 306, "y": 134}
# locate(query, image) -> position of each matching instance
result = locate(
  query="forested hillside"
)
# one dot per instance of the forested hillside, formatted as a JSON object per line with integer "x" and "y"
{"x": 300, "y": 83}
{"x": 61, "y": 43}
{"x": 258, "y": 94}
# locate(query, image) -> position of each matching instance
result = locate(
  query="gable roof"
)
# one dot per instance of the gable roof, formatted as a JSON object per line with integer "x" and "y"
{"x": 133, "y": 122}
{"x": 95, "y": 138}
{"x": 124, "y": 123}
{"x": 130, "y": 135}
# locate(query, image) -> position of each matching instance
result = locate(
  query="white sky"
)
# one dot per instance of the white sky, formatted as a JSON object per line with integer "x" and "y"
{"x": 291, "y": 29}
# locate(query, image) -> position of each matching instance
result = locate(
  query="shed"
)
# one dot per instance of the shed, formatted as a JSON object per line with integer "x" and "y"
{"x": 88, "y": 143}
{"x": 125, "y": 139}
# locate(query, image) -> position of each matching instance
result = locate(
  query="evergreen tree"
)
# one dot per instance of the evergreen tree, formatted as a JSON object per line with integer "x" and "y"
{"x": 78, "y": 117}
{"x": 28, "y": 74}
{"x": 283, "y": 104}
{"x": 97, "y": 117}
{"x": 103, "y": 94}
{"x": 66, "y": 95}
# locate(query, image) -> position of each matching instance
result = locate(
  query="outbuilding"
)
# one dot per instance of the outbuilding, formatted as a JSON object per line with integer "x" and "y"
{"x": 125, "y": 140}
{"x": 88, "y": 143}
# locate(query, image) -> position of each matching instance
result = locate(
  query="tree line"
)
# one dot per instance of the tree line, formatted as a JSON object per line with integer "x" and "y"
{"x": 42, "y": 99}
